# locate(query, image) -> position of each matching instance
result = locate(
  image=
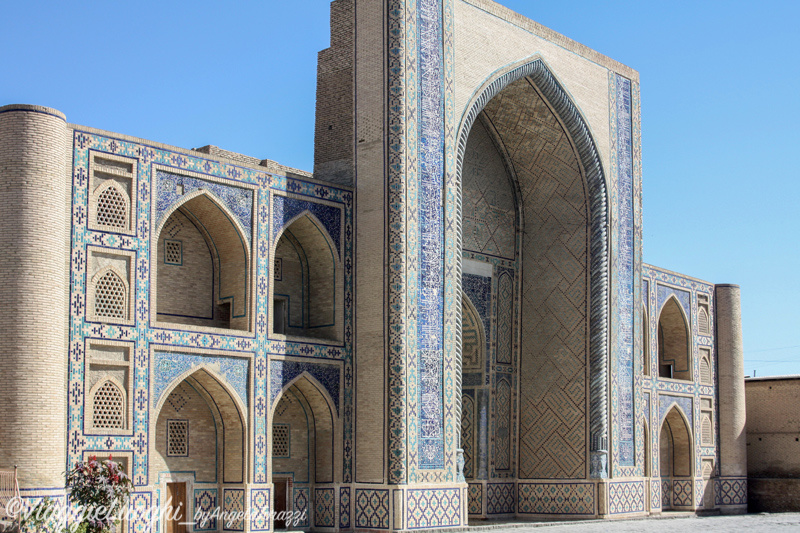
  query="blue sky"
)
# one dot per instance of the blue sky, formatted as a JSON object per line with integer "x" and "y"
{"x": 720, "y": 110}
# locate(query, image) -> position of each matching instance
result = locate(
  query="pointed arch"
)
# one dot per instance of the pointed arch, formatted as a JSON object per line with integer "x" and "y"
{"x": 109, "y": 405}
{"x": 674, "y": 342}
{"x": 593, "y": 257}
{"x": 226, "y": 438}
{"x": 211, "y": 286}
{"x": 110, "y": 294}
{"x": 473, "y": 337}
{"x": 307, "y": 288}
{"x": 676, "y": 444}
{"x": 322, "y": 429}
{"x": 111, "y": 206}
{"x": 645, "y": 342}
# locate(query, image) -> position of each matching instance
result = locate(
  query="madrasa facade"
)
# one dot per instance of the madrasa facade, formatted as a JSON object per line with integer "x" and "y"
{"x": 449, "y": 320}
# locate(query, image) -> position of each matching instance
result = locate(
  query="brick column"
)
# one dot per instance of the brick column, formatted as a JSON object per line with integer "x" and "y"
{"x": 34, "y": 292}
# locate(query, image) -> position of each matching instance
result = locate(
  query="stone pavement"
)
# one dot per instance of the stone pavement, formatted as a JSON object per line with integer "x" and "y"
{"x": 752, "y": 523}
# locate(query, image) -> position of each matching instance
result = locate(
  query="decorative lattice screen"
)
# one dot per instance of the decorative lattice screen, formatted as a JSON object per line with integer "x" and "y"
{"x": 280, "y": 440}
{"x": 705, "y": 371}
{"x": 110, "y": 297}
{"x": 177, "y": 438}
{"x": 702, "y": 321}
{"x": 173, "y": 252}
{"x": 707, "y": 436}
{"x": 112, "y": 209}
{"x": 108, "y": 407}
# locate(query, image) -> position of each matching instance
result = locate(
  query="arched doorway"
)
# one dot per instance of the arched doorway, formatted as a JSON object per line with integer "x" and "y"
{"x": 202, "y": 265}
{"x": 539, "y": 203}
{"x": 675, "y": 461}
{"x": 307, "y": 288}
{"x": 199, "y": 454}
{"x": 304, "y": 454}
{"x": 674, "y": 358}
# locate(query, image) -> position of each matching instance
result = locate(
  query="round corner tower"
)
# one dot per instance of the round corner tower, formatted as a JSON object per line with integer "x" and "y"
{"x": 34, "y": 292}
{"x": 732, "y": 407}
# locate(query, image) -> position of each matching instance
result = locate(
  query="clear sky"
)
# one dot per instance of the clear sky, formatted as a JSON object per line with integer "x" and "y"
{"x": 720, "y": 111}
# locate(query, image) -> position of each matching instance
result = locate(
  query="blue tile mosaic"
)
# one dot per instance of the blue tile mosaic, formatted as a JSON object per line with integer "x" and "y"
{"x": 169, "y": 365}
{"x": 665, "y": 401}
{"x": 430, "y": 318}
{"x": 664, "y": 292}
{"x": 285, "y": 209}
{"x": 624, "y": 273}
{"x": 237, "y": 199}
{"x": 283, "y": 372}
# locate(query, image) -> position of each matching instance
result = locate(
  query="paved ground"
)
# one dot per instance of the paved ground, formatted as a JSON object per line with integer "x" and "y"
{"x": 753, "y": 523}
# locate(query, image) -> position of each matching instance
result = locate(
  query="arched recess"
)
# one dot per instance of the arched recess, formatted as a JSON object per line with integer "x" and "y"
{"x": 676, "y": 458}
{"x": 202, "y": 265}
{"x": 674, "y": 356}
{"x": 307, "y": 289}
{"x": 473, "y": 352}
{"x": 199, "y": 440}
{"x": 564, "y": 252}
{"x": 305, "y": 448}
{"x": 645, "y": 342}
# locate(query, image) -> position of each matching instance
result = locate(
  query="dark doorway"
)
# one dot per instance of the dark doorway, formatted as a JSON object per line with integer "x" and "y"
{"x": 176, "y": 512}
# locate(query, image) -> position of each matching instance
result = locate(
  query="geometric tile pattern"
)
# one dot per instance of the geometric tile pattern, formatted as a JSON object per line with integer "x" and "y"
{"x": 141, "y": 517}
{"x": 682, "y": 492}
{"x": 245, "y": 193}
{"x": 488, "y": 198}
{"x": 475, "y": 498}
{"x": 731, "y": 491}
{"x": 324, "y": 508}
{"x": 205, "y": 501}
{"x": 282, "y": 372}
{"x": 260, "y": 516}
{"x": 285, "y": 209}
{"x": 233, "y": 505}
{"x": 662, "y": 285}
{"x": 300, "y": 507}
{"x": 468, "y": 434}
{"x": 169, "y": 366}
{"x": 434, "y": 508}
{"x": 500, "y": 498}
{"x": 557, "y": 498}
{"x": 655, "y": 494}
{"x": 554, "y": 294}
{"x": 502, "y": 438}
{"x": 238, "y": 200}
{"x": 525, "y": 155}
{"x": 345, "y": 506}
{"x": 626, "y": 497}
{"x": 399, "y": 183}
{"x": 372, "y": 508}
{"x": 505, "y": 316}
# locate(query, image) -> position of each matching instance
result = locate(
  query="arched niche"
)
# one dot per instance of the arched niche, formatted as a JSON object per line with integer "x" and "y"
{"x": 674, "y": 356}
{"x": 676, "y": 458}
{"x": 307, "y": 288}
{"x": 306, "y": 453}
{"x": 548, "y": 153}
{"x": 202, "y": 266}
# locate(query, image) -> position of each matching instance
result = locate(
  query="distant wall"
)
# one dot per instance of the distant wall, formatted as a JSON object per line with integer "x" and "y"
{"x": 773, "y": 444}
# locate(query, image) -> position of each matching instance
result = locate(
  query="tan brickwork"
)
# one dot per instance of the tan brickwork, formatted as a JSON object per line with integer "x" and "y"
{"x": 34, "y": 276}
{"x": 773, "y": 443}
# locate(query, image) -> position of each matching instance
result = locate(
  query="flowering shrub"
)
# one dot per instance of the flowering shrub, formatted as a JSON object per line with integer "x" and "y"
{"x": 102, "y": 489}
{"x": 98, "y": 494}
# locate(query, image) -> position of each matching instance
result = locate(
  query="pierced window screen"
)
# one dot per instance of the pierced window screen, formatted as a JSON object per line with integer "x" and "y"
{"x": 110, "y": 297}
{"x": 108, "y": 407}
{"x": 112, "y": 209}
{"x": 177, "y": 438}
{"x": 280, "y": 440}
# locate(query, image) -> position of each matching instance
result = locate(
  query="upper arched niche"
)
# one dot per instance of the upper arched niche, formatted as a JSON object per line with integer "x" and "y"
{"x": 525, "y": 136}
{"x": 202, "y": 266}
{"x": 307, "y": 282}
{"x": 674, "y": 359}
